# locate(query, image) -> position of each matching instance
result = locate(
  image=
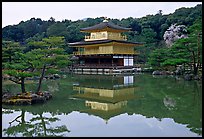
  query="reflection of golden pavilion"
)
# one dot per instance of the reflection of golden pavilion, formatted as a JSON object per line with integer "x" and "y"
{"x": 107, "y": 99}
{"x": 105, "y": 95}
{"x": 105, "y": 106}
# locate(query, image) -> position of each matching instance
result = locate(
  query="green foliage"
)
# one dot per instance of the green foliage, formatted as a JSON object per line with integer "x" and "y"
{"x": 63, "y": 63}
{"x": 15, "y": 66}
{"x": 45, "y": 43}
{"x": 18, "y": 73}
{"x": 158, "y": 56}
{"x": 54, "y": 41}
{"x": 51, "y": 71}
{"x": 57, "y": 29}
{"x": 47, "y": 54}
{"x": 184, "y": 51}
{"x": 14, "y": 63}
{"x": 38, "y": 34}
{"x": 173, "y": 62}
{"x": 9, "y": 48}
{"x": 36, "y": 29}
{"x": 38, "y": 44}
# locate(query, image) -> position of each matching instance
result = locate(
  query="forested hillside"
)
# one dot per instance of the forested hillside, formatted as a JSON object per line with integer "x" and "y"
{"x": 149, "y": 29}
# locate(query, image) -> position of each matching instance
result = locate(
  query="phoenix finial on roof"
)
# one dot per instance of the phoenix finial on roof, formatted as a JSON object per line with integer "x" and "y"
{"x": 105, "y": 19}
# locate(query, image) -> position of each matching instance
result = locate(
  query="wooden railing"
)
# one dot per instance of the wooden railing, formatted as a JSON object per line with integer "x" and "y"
{"x": 101, "y": 66}
{"x": 96, "y": 52}
{"x": 78, "y": 53}
{"x": 89, "y": 38}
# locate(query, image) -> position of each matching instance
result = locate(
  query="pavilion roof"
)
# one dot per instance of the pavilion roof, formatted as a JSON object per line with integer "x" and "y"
{"x": 104, "y": 25}
{"x": 101, "y": 42}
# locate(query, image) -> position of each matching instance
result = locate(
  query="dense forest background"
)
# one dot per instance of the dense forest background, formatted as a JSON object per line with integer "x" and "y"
{"x": 149, "y": 29}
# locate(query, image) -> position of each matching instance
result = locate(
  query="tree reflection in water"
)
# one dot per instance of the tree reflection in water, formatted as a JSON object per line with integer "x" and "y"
{"x": 37, "y": 126}
{"x": 110, "y": 97}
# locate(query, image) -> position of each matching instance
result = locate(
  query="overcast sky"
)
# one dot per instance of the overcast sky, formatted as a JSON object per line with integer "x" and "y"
{"x": 15, "y": 12}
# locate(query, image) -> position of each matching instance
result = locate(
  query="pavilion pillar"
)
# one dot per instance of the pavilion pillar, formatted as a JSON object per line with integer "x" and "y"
{"x": 99, "y": 61}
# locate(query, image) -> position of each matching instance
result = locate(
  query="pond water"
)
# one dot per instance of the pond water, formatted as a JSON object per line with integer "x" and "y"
{"x": 139, "y": 105}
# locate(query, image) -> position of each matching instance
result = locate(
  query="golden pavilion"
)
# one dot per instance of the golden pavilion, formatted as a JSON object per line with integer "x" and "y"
{"x": 106, "y": 50}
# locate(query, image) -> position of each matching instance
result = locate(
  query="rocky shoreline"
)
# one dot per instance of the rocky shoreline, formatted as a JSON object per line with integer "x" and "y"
{"x": 26, "y": 98}
{"x": 187, "y": 76}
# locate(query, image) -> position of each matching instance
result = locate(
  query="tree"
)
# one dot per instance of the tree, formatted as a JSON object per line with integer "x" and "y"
{"x": 148, "y": 36}
{"x": 173, "y": 33}
{"x": 13, "y": 33}
{"x": 157, "y": 57}
{"x": 13, "y": 63}
{"x": 8, "y": 50}
{"x": 57, "y": 29}
{"x": 149, "y": 29}
{"x": 183, "y": 51}
{"x": 191, "y": 47}
{"x": 18, "y": 70}
{"x": 48, "y": 57}
{"x": 36, "y": 126}
{"x": 160, "y": 12}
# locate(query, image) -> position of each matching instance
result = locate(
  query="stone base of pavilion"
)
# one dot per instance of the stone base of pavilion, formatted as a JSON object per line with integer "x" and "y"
{"x": 103, "y": 69}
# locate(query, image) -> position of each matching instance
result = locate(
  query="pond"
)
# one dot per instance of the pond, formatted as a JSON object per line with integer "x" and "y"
{"x": 138, "y": 105}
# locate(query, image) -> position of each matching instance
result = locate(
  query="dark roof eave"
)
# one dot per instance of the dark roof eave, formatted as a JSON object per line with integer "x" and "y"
{"x": 100, "y": 42}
